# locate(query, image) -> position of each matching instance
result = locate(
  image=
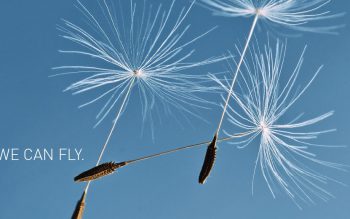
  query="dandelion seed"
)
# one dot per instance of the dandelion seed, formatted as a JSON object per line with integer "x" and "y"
{"x": 145, "y": 45}
{"x": 228, "y": 98}
{"x": 284, "y": 158}
{"x": 79, "y": 209}
{"x": 293, "y": 14}
{"x": 150, "y": 57}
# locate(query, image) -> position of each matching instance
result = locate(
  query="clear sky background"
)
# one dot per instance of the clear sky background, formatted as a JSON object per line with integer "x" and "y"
{"x": 35, "y": 113}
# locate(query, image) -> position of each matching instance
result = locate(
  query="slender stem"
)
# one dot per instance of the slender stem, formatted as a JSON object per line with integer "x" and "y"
{"x": 115, "y": 121}
{"x": 256, "y": 18}
{"x": 113, "y": 127}
{"x": 186, "y": 147}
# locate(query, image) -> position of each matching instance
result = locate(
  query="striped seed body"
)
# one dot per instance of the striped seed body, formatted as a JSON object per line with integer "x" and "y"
{"x": 79, "y": 208}
{"x": 98, "y": 171}
{"x": 209, "y": 161}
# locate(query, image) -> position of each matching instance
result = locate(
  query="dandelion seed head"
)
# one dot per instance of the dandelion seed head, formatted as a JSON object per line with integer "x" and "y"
{"x": 293, "y": 14}
{"x": 134, "y": 44}
{"x": 285, "y": 152}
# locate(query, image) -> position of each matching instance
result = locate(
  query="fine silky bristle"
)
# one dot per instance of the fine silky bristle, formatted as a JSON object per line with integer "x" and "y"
{"x": 79, "y": 208}
{"x": 98, "y": 171}
{"x": 208, "y": 161}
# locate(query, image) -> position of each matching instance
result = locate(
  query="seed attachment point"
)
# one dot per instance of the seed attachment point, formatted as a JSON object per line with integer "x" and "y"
{"x": 138, "y": 73}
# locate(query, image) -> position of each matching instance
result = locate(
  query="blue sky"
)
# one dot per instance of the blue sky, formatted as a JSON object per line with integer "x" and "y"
{"x": 35, "y": 113}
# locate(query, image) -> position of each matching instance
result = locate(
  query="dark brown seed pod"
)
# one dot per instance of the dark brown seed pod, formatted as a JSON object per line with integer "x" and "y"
{"x": 98, "y": 171}
{"x": 208, "y": 161}
{"x": 79, "y": 208}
